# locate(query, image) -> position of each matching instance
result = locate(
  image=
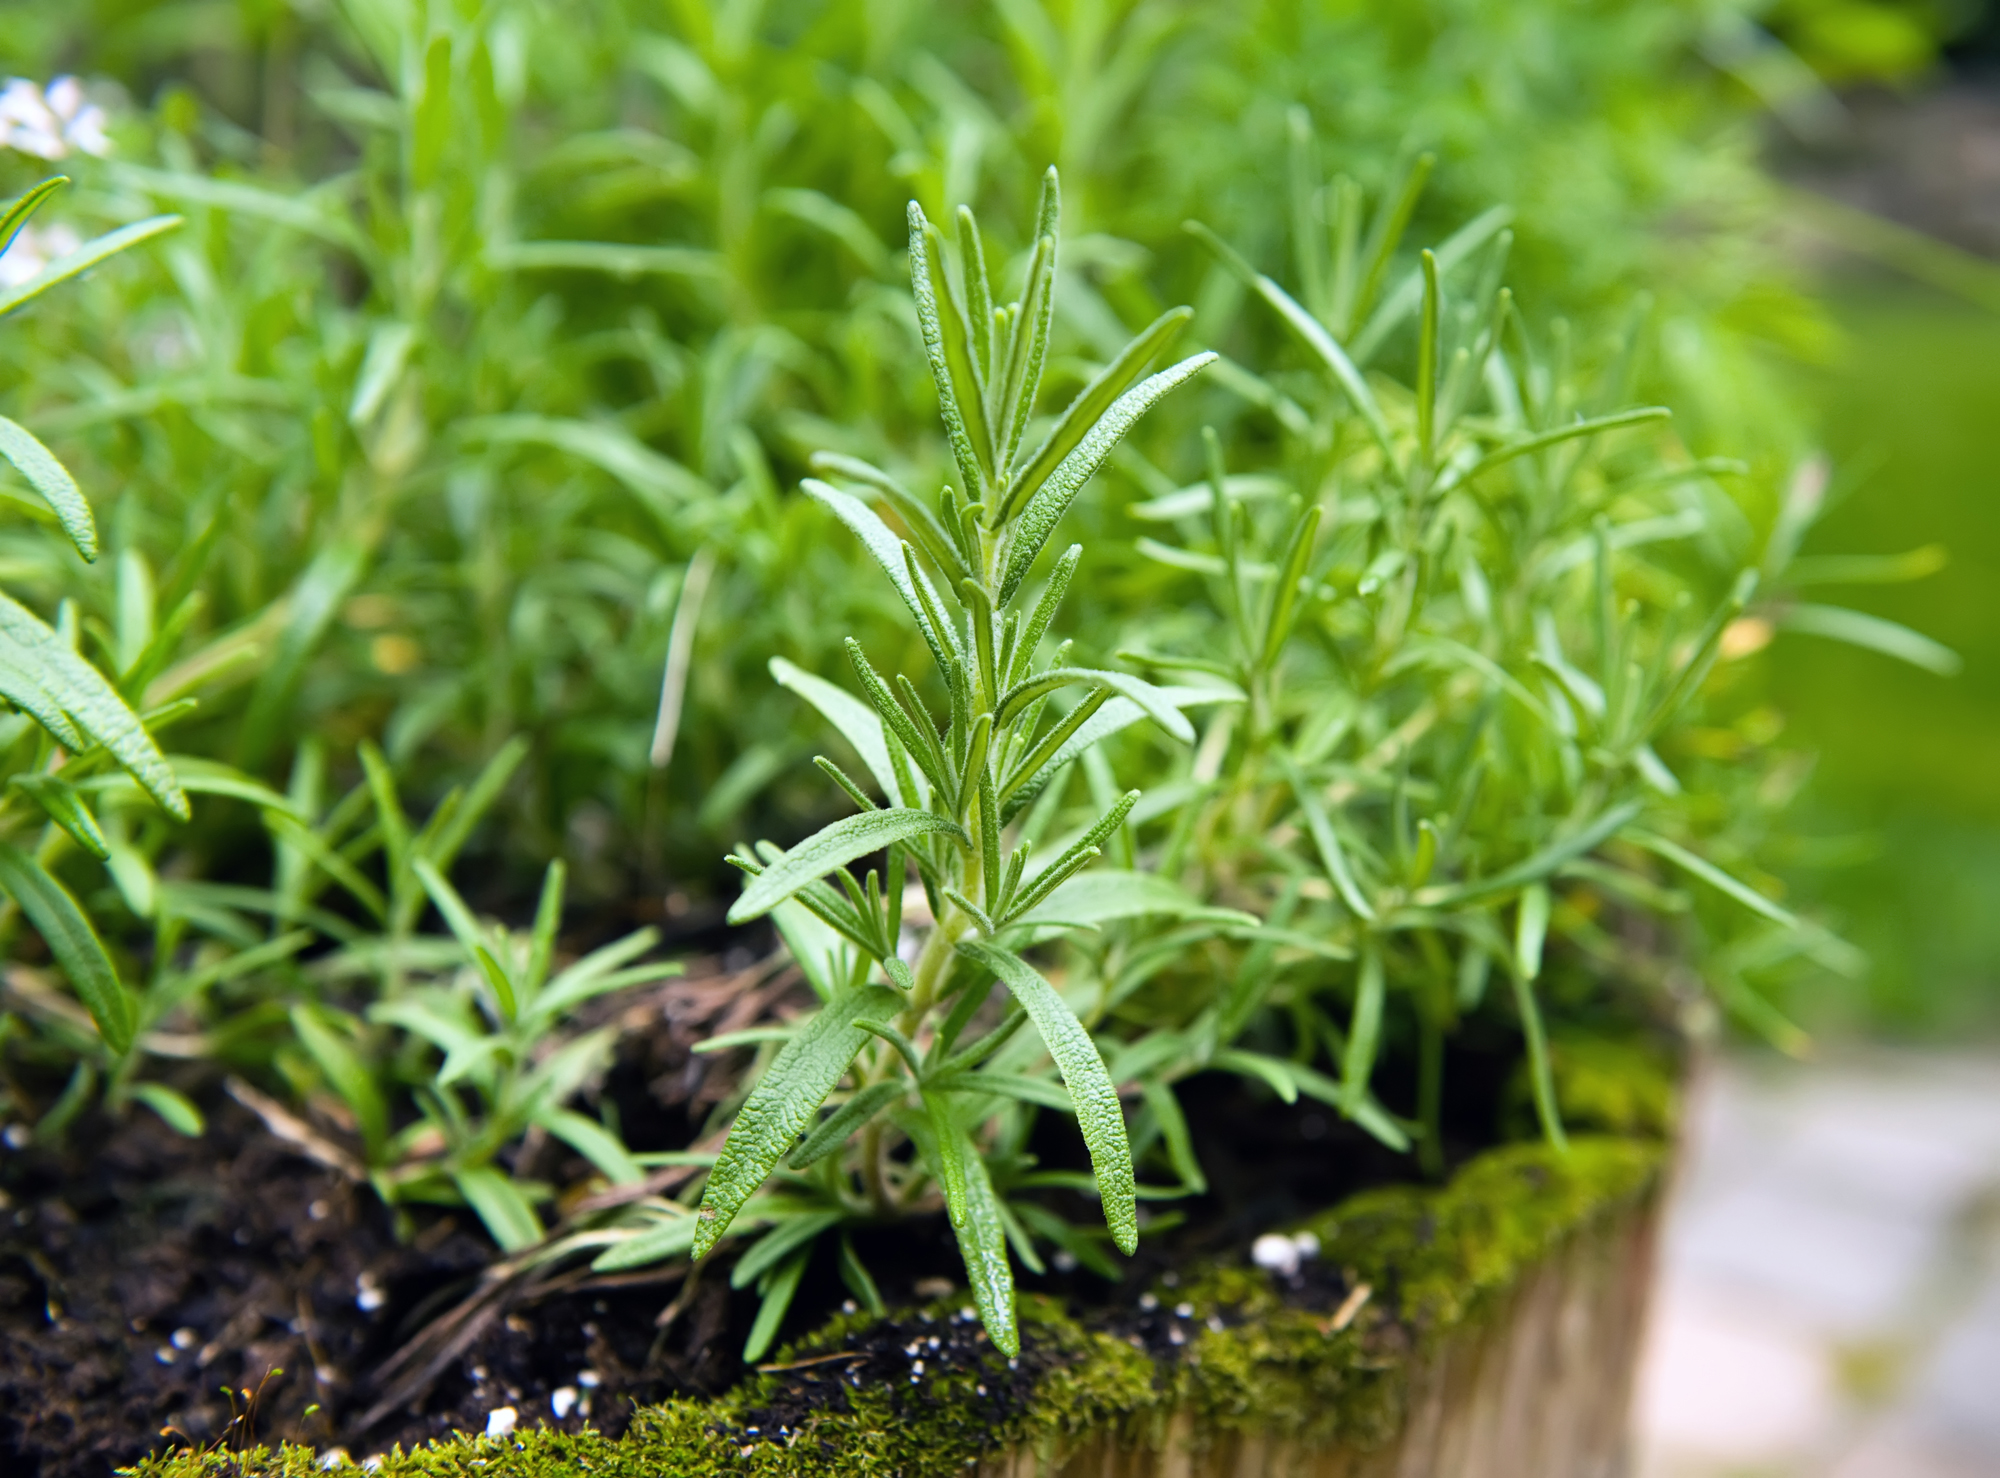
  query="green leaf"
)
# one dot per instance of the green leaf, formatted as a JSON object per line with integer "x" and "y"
{"x": 176, "y": 1108}
{"x": 15, "y": 216}
{"x": 977, "y": 1222}
{"x": 1539, "y": 865}
{"x": 1044, "y": 510}
{"x": 501, "y": 1205}
{"x": 1331, "y": 855}
{"x": 777, "y": 1300}
{"x": 784, "y": 1102}
{"x": 49, "y": 478}
{"x": 1714, "y": 876}
{"x": 1540, "y": 1072}
{"x": 29, "y": 646}
{"x": 1858, "y": 629}
{"x": 1365, "y": 1029}
{"x": 1039, "y": 1091}
{"x": 667, "y": 1239}
{"x": 1542, "y": 441}
{"x": 837, "y": 1127}
{"x": 951, "y": 370}
{"x": 59, "y": 799}
{"x": 790, "y": 1235}
{"x": 594, "y": 1142}
{"x": 83, "y": 259}
{"x": 1108, "y": 893}
{"x": 74, "y": 943}
{"x": 887, "y": 549}
{"x": 617, "y": 258}
{"x": 1309, "y": 329}
{"x": 345, "y": 1070}
{"x": 835, "y": 846}
{"x": 1174, "y": 1131}
{"x": 1098, "y": 1112}
{"x": 1531, "y": 928}
{"x": 1155, "y": 702}
{"x": 1093, "y": 402}
{"x": 855, "y": 720}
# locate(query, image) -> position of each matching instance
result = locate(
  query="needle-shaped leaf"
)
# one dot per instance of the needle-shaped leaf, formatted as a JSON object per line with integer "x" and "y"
{"x": 835, "y": 846}
{"x": 1309, "y": 329}
{"x": 64, "y": 806}
{"x": 888, "y": 552}
{"x": 784, "y": 1102}
{"x": 950, "y": 361}
{"x": 1364, "y": 1030}
{"x": 1156, "y": 703}
{"x": 74, "y": 943}
{"x": 15, "y": 216}
{"x": 501, "y": 1205}
{"x": 833, "y": 1131}
{"x": 1098, "y": 1112}
{"x": 83, "y": 259}
{"x": 92, "y": 705}
{"x": 1046, "y": 506}
{"x": 52, "y": 480}
{"x": 977, "y": 1219}
{"x": 1093, "y": 401}
{"x": 855, "y": 720}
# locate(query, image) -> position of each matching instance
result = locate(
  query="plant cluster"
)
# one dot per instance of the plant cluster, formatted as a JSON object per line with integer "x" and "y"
{"x": 456, "y": 433}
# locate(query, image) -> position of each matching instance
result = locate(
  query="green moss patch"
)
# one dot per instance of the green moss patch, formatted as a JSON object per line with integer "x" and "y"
{"x": 924, "y": 1393}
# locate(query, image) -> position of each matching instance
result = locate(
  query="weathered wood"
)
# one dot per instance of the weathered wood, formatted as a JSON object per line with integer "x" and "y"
{"x": 1538, "y": 1385}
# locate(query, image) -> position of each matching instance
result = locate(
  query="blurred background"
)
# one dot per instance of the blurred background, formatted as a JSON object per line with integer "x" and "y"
{"x": 1830, "y": 1300}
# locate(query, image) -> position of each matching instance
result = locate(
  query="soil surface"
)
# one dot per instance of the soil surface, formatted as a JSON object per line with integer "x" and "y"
{"x": 157, "y": 1290}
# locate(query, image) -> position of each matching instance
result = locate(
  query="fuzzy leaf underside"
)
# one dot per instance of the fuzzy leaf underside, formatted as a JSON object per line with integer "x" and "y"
{"x": 783, "y": 1104}
{"x": 1098, "y": 1112}
{"x": 834, "y": 846}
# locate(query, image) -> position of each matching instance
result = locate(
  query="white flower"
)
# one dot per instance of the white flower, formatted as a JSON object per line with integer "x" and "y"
{"x": 51, "y": 124}
{"x": 33, "y": 249}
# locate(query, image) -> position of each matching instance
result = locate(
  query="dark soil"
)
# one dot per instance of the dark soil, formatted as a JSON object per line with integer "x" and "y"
{"x": 158, "y": 1290}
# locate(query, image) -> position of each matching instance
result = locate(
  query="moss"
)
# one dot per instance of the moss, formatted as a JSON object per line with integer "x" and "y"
{"x": 1436, "y": 1260}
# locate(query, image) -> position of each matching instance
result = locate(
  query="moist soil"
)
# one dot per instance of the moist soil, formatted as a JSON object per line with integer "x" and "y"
{"x": 157, "y": 1290}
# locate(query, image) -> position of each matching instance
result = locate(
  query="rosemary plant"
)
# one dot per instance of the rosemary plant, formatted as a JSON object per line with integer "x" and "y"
{"x": 894, "y": 1031}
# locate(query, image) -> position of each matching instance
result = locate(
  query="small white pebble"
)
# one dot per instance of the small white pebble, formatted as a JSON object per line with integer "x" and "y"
{"x": 18, "y": 1136}
{"x": 979, "y": 1390}
{"x": 500, "y": 1421}
{"x": 1307, "y": 1244}
{"x": 1184, "y": 1311}
{"x": 164, "y": 1354}
{"x": 932, "y": 1341}
{"x": 913, "y": 1346}
{"x": 478, "y": 1374}
{"x": 562, "y": 1401}
{"x": 1275, "y": 1253}
{"x": 333, "y": 1457}
{"x": 588, "y": 1379}
{"x": 1065, "y": 1262}
{"x": 185, "y": 1338}
{"x": 1013, "y": 1364}
{"x": 1148, "y": 1302}
{"x": 968, "y": 1313}
{"x": 1215, "y": 1324}
{"x": 849, "y": 1306}
{"x": 368, "y": 1294}
{"x": 1175, "y": 1336}
{"x": 916, "y": 1368}
{"x": 319, "y": 1211}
